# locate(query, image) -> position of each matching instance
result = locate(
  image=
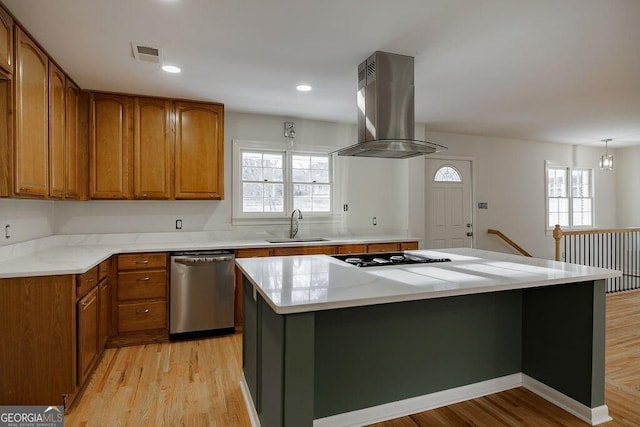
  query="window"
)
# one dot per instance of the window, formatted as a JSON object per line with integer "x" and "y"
{"x": 311, "y": 185}
{"x": 262, "y": 182}
{"x": 271, "y": 180}
{"x": 569, "y": 197}
{"x": 447, "y": 174}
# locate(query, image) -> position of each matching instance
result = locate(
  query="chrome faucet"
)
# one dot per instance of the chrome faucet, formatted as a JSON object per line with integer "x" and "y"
{"x": 293, "y": 231}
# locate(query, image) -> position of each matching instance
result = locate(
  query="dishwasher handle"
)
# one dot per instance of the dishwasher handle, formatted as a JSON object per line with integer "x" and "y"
{"x": 201, "y": 260}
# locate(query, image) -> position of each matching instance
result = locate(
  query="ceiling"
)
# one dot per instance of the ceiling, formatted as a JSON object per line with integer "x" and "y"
{"x": 552, "y": 70}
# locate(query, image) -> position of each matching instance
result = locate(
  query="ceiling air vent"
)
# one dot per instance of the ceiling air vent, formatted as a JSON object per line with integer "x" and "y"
{"x": 147, "y": 53}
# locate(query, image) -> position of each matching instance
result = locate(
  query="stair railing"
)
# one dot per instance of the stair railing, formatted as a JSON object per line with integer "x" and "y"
{"x": 508, "y": 241}
{"x": 613, "y": 248}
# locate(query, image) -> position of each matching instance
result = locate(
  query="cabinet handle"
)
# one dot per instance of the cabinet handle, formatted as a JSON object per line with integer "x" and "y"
{"x": 142, "y": 311}
{"x": 143, "y": 262}
{"x": 144, "y": 195}
{"x": 144, "y": 279}
{"x": 89, "y": 280}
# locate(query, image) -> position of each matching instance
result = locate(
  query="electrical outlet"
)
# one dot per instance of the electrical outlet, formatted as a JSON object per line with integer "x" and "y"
{"x": 374, "y": 220}
{"x": 178, "y": 224}
{"x": 345, "y": 207}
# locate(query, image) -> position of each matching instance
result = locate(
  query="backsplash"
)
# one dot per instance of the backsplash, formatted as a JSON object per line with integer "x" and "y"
{"x": 27, "y": 220}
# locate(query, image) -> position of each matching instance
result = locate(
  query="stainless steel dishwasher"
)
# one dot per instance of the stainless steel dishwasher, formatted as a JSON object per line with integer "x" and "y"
{"x": 201, "y": 294}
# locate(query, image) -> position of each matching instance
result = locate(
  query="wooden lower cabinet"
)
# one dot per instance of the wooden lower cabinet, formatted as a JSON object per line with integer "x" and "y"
{"x": 408, "y": 246}
{"x": 383, "y": 247}
{"x": 141, "y": 314}
{"x": 358, "y": 248}
{"x": 305, "y": 250}
{"x": 104, "y": 303}
{"x": 87, "y": 334}
{"x": 38, "y": 339}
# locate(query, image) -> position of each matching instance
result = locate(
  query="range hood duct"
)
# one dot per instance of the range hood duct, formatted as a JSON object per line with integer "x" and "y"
{"x": 386, "y": 110}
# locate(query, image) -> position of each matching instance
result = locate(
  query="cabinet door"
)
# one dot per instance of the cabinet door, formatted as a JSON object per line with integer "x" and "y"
{"x": 87, "y": 333}
{"x": 104, "y": 313}
{"x": 152, "y": 149}
{"x": 6, "y": 41}
{"x": 199, "y": 151}
{"x": 73, "y": 156}
{"x": 6, "y": 135}
{"x": 57, "y": 136}
{"x": 31, "y": 118}
{"x": 110, "y": 147}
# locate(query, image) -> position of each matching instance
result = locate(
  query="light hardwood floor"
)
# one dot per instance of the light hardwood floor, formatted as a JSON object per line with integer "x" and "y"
{"x": 195, "y": 383}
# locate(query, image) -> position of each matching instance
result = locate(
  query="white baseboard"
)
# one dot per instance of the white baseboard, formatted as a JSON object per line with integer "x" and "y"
{"x": 593, "y": 416}
{"x": 427, "y": 402}
{"x": 402, "y": 408}
{"x": 248, "y": 403}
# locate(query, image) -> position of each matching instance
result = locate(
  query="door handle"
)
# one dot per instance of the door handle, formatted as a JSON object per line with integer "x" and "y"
{"x": 202, "y": 260}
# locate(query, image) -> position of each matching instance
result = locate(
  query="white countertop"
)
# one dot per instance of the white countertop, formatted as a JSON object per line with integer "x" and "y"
{"x": 297, "y": 284}
{"x": 76, "y": 254}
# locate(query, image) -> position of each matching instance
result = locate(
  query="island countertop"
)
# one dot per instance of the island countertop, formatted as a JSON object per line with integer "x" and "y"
{"x": 296, "y": 284}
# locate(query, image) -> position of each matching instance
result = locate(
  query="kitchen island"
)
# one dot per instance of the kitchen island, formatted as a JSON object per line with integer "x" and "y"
{"x": 327, "y": 343}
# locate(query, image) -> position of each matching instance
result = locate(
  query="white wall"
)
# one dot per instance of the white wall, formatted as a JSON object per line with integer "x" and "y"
{"x": 28, "y": 219}
{"x": 509, "y": 175}
{"x": 369, "y": 186}
{"x": 626, "y": 161}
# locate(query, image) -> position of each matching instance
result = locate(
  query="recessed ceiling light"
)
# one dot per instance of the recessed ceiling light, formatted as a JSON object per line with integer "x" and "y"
{"x": 170, "y": 68}
{"x": 304, "y": 88}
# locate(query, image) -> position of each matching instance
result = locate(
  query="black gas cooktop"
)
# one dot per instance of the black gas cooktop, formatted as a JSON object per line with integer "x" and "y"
{"x": 390, "y": 258}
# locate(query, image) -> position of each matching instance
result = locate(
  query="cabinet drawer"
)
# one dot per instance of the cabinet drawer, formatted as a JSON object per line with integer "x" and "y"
{"x": 408, "y": 246}
{"x": 142, "y": 284}
{"x": 305, "y": 250}
{"x": 352, "y": 249}
{"x": 142, "y": 316}
{"x": 142, "y": 261}
{"x": 86, "y": 281}
{"x": 253, "y": 252}
{"x": 103, "y": 269}
{"x": 383, "y": 247}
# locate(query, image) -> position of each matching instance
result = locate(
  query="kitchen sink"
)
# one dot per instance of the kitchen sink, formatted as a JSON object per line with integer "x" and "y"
{"x": 299, "y": 240}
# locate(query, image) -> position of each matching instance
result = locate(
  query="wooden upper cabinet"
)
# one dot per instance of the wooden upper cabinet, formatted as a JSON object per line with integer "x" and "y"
{"x": 73, "y": 153}
{"x": 152, "y": 149}
{"x": 110, "y": 146}
{"x": 6, "y": 41}
{"x": 199, "y": 156}
{"x": 31, "y": 118}
{"x": 57, "y": 132}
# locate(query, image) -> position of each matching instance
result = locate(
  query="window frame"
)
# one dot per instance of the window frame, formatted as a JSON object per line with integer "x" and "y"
{"x": 569, "y": 191}
{"x": 239, "y": 217}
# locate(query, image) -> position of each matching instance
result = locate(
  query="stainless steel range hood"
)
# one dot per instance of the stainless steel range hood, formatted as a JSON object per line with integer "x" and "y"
{"x": 385, "y": 110}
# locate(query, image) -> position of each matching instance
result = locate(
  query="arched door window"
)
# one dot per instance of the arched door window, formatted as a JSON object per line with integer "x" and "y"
{"x": 447, "y": 174}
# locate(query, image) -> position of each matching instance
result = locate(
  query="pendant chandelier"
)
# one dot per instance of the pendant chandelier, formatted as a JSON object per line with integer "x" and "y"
{"x": 606, "y": 160}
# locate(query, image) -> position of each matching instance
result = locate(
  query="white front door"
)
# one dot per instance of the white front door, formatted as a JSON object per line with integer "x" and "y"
{"x": 448, "y": 199}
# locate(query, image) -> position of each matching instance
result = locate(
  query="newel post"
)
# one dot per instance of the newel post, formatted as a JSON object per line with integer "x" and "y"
{"x": 557, "y": 235}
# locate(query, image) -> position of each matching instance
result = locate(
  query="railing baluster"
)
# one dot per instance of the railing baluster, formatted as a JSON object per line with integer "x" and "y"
{"x": 616, "y": 249}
